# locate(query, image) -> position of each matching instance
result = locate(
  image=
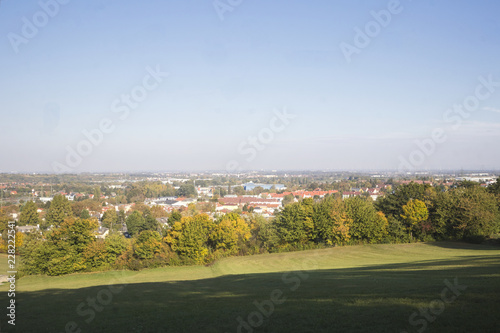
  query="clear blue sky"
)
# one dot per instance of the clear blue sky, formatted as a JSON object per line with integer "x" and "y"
{"x": 227, "y": 77}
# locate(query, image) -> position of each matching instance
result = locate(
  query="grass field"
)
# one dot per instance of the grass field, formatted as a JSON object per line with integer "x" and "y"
{"x": 3, "y": 263}
{"x": 372, "y": 288}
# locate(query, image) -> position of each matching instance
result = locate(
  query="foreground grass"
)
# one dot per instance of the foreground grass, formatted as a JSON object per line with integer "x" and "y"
{"x": 373, "y": 288}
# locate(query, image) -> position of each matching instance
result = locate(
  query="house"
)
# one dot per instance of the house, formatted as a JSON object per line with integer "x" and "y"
{"x": 205, "y": 191}
{"x": 250, "y": 186}
{"x": 225, "y": 208}
{"x": 27, "y": 228}
{"x": 259, "y": 204}
{"x": 163, "y": 221}
{"x": 183, "y": 202}
{"x": 300, "y": 194}
{"x": 102, "y": 233}
{"x": 349, "y": 194}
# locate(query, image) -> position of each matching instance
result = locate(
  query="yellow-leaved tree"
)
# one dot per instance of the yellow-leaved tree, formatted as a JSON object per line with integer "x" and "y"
{"x": 414, "y": 213}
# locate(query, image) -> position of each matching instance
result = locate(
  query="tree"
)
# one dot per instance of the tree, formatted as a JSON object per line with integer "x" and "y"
{"x": 186, "y": 190}
{"x": 147, "y": 244}
{"x": 189, "y": 237}
{"x": 115, "y": 244}
{"x": 393, "y": 203}
{"x": 97, "y": 194}
{"x": 121, "y": 217}
{"x": 175, "y": 216}
{"x": 258, "y": 190}
{"x": 158, "y": 211}
{"x": 110, "y": 219}
{"x": 495, "y": 187}
{"x": 29, "y": 214}
{"x": 336, "y": 229}
{"x": 288, "y": 199}
{"x": 135, "y": 222}
{"x": 192, "y": 209}
{"x": 60, "y": 209}
{"x": 63, "y": 250}
{"x": 469, "y": 213}
{"x": 76, "y": 232}
{"x": 95, "y": 255}
{"x": 238, "y": 190}
{"x": 135, "y": 194}
{"x": 85, "y": 214}
{"x": 294, "y": 223}
{"x": 414, "y": 213}
{"x": 367, "y": 224}
{"x": 87, "y": 204}
{"x": 229, "y": 234}
{"x": 263, "y": 233}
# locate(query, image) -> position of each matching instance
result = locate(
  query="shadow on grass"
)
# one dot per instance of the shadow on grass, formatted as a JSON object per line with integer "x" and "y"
{"x": 461, "y": 245}
{"x": 368, "y": 299}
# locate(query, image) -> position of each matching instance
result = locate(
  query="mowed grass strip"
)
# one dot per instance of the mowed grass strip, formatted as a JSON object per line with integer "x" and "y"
{"x": 372, "y": 288}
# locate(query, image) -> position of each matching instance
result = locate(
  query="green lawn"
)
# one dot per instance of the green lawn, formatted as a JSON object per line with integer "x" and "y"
{"x": 4, "y": 264}
{"x": 373, "y": 288}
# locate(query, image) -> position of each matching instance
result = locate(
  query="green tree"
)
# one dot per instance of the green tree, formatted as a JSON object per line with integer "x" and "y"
{"x": 135, "y": 223}
{"x": 121, "y": 217}
{"x": 97, "y": 194}
{"x": 60, "y": 209}
{"x": 63, "y": 250}
{"x": 468, "y": 213}
{"x": 110, "y": 219}
{"x": 115, "y": 244}
{"x": 264, "y": 236}
{"x": 175, "y": 216}
{"x": 238, "y": 190}
{"x": 287, "y": 199}
{"x": 29, "y": 214}
{"x": 392, "y": 204}
{"x": 85, "y": 214}
{"x": 95, "y": 255}
{"x": 495, "y": 187}
{"x": 332, "y": 222}
{"x": 147, "y": 244}
{"x": 367, "y": 224}
{"x": 294, "y": 223}
{"x": 186, "y": 190}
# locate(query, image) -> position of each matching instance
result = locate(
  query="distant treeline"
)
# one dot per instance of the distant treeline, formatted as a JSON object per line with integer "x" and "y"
{"x": 413, "y": 212}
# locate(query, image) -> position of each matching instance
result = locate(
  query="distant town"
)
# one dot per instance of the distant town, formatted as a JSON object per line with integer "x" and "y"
{"x": 214, "y": 194}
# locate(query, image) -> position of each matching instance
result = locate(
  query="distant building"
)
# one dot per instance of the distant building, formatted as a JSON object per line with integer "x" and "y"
{"x": 102, "y": 233}
{"x": 27, "y": 228}
{"x": 250, "y": 186}
{"x": 163, "y": 221}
